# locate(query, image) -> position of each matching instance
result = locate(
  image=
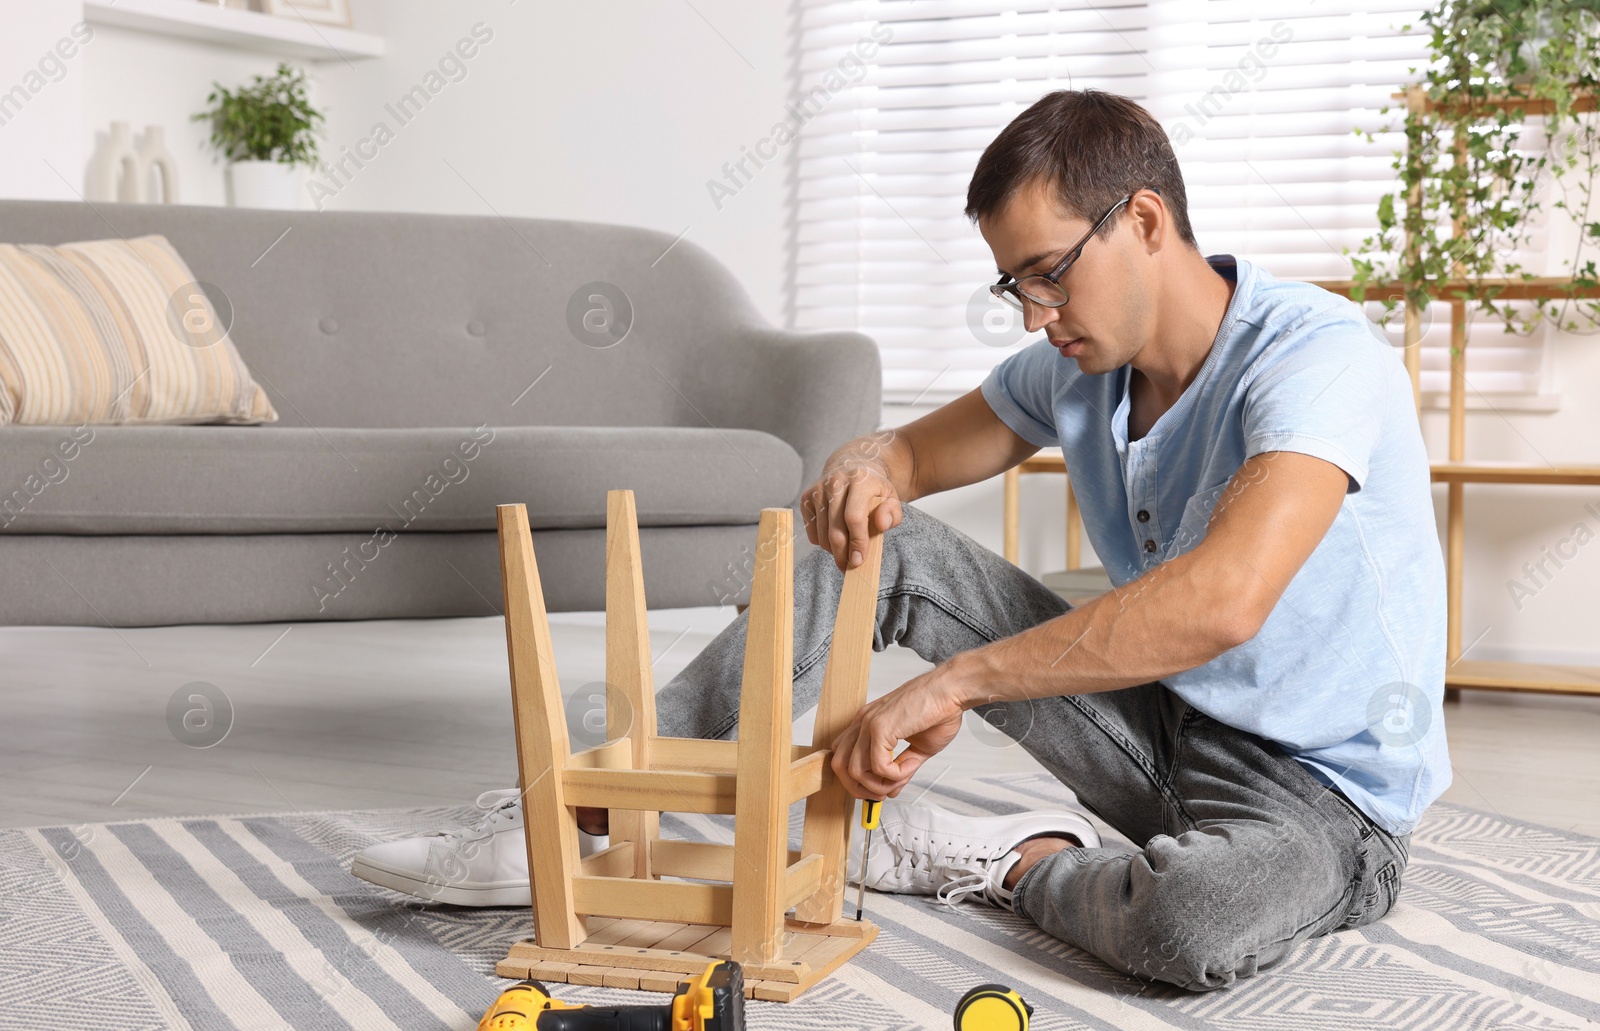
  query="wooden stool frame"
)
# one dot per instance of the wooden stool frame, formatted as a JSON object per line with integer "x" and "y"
{"x": 610, "y": 918}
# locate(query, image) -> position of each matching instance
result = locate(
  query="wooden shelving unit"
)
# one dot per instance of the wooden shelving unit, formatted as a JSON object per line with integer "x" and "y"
{"x": 246, "y": 30}
{"x": 1458, "y": 472}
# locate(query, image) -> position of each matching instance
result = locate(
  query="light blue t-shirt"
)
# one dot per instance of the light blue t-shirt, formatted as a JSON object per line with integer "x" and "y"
{"x": 1347, "y": 674}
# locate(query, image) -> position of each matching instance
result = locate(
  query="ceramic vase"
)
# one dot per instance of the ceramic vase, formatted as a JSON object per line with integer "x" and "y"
{"x": 154, "y": 157}
{"x": 114, "y": 173}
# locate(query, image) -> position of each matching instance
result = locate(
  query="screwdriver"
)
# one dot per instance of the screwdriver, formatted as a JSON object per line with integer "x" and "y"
{"x": 869, "y": 823}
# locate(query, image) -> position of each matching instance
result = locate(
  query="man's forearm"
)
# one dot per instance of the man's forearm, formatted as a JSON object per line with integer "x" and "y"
{"x": 1176, "y": 617}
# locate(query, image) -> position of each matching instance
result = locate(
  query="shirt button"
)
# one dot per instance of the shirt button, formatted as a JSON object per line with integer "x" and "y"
{"x": 1144, "y": 517}
{"x": 1149, "y": 545}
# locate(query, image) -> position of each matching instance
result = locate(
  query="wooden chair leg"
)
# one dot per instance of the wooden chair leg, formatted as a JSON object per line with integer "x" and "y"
{"x": 844, "y": 691}
{"x": 1074, "y": 529}
{"x": 766, "y": 718}
{"x": 541, "y": 733}
{"x": 630, "y": 690}
{"x": 1012, "y": 515}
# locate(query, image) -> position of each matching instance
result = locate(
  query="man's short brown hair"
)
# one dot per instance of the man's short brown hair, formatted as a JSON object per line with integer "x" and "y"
{"x": 1093, "y": 147}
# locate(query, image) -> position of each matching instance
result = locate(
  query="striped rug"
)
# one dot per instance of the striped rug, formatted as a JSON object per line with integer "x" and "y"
{"x": 253, "y": 922}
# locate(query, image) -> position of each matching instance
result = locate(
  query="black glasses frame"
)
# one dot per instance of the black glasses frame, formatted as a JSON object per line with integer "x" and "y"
{"x": 1011, "y": 292}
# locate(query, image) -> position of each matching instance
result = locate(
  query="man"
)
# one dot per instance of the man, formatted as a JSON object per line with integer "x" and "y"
{"x": 1256, "y": 703}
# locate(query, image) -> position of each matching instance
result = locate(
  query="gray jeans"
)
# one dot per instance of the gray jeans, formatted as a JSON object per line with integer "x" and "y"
{"x": 1244, "y": 853}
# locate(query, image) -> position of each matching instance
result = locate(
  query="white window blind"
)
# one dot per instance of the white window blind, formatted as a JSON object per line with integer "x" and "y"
{"x": 1260, "y": 100}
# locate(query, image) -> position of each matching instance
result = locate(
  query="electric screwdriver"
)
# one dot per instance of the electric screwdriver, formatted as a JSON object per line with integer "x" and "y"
{"x": 712, "y": 1001}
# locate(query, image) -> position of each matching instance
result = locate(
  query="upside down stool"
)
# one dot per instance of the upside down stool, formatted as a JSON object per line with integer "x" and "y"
{"x": 648, "y": 911}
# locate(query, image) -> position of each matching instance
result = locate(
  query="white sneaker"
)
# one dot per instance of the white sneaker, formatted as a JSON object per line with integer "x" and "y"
{"x": 925, "y": 850}
{"x": 483, "y": 865}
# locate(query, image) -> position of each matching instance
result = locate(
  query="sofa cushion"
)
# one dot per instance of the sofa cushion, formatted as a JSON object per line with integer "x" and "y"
{"x": 219, "y": 479}
{"x": 116, "y": 331}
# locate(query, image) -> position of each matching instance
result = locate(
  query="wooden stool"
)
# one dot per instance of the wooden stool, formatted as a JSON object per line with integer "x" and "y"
{"x": 611, "y": 918}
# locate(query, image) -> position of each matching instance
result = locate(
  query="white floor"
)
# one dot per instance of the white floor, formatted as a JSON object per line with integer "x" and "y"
{"x": 407, "y": 713}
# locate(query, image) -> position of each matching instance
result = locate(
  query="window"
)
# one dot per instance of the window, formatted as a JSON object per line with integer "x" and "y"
{"x": 900, "y": 97}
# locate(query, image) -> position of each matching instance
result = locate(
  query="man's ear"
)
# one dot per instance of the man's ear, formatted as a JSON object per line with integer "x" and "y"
{"x": 1151, "y": 220}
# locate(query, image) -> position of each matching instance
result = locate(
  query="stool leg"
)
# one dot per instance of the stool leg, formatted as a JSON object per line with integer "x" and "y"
{"x": 541, "y": 731}
{"x": 761, "y": 817}
{"x": 844, "y": 692}
{"x": 630, "y": 691}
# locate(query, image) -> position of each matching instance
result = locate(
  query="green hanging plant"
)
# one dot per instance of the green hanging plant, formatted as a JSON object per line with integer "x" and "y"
{"x": 1533, "y": 51}
{"x": 269, "y": 120}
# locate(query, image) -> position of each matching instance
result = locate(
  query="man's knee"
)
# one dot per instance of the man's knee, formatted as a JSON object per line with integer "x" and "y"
{"x": 1191, "y": 954}
{"x": 1179, "y": 938}
{"x": 1215, "y": 914}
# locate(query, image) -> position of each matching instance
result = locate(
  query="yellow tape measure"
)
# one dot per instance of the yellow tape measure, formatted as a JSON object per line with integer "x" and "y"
{"x": 992, "y": 1007}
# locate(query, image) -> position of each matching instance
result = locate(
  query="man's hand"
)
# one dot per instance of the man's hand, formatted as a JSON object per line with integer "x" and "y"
{"x": 836, "y": 507}
{"x": 956, "y": 444}
{"x": 923, "y": 712}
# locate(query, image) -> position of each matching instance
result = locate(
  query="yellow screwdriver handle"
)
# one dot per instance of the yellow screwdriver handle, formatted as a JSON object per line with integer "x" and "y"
{"x": 869, "y": 813}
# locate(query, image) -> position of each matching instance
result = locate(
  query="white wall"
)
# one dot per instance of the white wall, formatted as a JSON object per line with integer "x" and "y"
{"x": 607, "y": 111}
{"x": 43, "y": 53}
{"x": 620, "y": 112}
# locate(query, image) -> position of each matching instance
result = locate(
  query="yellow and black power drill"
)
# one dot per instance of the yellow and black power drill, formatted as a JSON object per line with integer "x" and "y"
{"x": 713, "y": 1001}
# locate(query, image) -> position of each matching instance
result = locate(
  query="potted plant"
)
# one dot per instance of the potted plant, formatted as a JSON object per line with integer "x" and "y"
{"x": 267, "y": 132}
{"x": 1542, "y": 56}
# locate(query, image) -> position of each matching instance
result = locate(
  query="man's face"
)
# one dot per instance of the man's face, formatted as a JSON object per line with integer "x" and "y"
{"x": 1105, "y": 321}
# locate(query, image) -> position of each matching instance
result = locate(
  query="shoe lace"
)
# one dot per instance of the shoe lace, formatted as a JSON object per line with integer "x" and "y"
{"x": 964, "y": 873}
{"x": 497, "y": 805}
{"x": 954, "y": 891}
{"x": 455, "y": 849}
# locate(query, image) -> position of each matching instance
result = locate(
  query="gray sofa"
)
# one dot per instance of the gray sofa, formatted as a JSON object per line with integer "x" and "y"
{"x": 424, "y": 370}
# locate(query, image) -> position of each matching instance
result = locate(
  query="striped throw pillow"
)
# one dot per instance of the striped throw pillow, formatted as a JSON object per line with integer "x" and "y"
{"x": 116, "y": 331}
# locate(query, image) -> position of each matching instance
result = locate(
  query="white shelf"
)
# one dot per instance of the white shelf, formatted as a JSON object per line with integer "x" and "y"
{"x": 247, "y": 30}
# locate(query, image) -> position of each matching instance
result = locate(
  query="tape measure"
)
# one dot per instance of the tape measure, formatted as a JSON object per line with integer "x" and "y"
{"x": 992, "y": 1007}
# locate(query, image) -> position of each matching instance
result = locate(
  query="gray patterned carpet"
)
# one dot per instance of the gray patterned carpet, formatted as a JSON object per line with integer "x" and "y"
{"x": 253, "y": 922}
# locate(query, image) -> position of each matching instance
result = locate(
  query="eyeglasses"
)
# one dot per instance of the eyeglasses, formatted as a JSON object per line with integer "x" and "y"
{"x": 1046, "y": 289}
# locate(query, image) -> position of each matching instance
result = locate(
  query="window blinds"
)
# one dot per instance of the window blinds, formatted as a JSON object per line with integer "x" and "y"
{"x": 1260, "y": 100}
